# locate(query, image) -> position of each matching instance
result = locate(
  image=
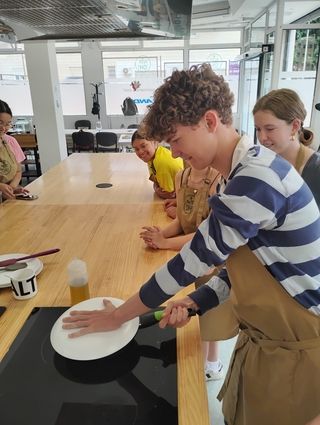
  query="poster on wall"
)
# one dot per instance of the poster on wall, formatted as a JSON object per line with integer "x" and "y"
{"x": 117, "y": 91}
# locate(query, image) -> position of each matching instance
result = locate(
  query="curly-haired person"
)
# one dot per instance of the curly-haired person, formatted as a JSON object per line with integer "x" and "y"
{"x": 266, "y": 227}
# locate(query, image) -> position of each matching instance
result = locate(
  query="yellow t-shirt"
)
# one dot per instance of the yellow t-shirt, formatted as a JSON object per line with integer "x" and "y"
{"x": 164, "y": 168}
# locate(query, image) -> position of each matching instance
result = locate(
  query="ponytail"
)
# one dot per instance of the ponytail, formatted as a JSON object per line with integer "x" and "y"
{"x": 305, "y": 136}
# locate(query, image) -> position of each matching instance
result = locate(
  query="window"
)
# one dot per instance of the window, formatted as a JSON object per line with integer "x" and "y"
{"x": 163, "y": 43}
{"x": 258, "y": 31}
{"x": 119, "y": 43}
{"x": 136, "y": 74}
{"x": 272, "y": 16}
{"x": 62, "y": 44}
{"x": 14, "y": 83}
{"x": 299, "y": 11}
{"x": 71, "y": 83}
{"x": 215, "y": 37}
{"x": 223, "y": 62}
{"x": 299, "y": 66}
{"x": 5, "y": 46}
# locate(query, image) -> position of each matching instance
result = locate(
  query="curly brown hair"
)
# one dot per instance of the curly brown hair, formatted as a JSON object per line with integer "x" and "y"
{"x": 184, "y": 98}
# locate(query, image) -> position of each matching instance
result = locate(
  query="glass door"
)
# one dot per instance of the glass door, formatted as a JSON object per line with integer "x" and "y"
{"x": 266, "y": 73}
{"x": 299, "y": 65}
{"x": 256, "y": 82}
{"x": 250, "y": 93}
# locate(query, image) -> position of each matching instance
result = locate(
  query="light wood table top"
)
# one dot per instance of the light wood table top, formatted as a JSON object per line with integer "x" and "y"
{"x": 73, "y": 181}
{"x": 106, "y": 237}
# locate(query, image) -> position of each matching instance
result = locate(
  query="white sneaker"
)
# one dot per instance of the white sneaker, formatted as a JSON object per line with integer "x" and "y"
{"x": 214, "y": 375}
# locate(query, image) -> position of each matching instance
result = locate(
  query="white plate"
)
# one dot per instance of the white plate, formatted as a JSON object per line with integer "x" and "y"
{"x": 33, "y": 263}
{"x": 96, "y": 345}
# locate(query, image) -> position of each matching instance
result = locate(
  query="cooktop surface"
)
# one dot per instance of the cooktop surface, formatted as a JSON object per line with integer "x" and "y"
{"x": 135, "y": 386}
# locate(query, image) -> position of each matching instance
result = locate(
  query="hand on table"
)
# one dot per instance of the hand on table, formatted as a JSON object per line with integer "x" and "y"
{"x": 163, "y": 193}
{"x": 7, "y": 191}
{"x": 170, "y": 203}
{"x": 170, "y": 207}
{"x": 92, "y": 321}
{"x": 153, "y": 237}
{"x": 176, "y": 313}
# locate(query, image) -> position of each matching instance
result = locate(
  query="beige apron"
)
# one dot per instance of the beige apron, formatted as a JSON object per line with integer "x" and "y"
{"x": 300, "y": 160}
{"x": 219, "y": 323}
{"x": 274, "y": 374}
{"x": 8, "y": 164}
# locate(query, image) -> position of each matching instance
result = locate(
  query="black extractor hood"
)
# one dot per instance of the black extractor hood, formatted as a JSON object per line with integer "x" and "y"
{"x": 99, "y": 19}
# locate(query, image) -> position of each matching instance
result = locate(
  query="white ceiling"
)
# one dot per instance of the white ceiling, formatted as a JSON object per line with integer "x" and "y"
{"x": 237, "y": 13}
{"x": 29, "y": 17}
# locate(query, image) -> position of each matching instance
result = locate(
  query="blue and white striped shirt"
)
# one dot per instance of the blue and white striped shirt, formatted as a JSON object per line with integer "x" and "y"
{"x": 265, "y": 204}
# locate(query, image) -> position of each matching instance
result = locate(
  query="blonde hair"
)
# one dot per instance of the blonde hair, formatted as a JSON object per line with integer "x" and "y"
{"x": 184, "y": 98}
{"x": 286, "y": 105}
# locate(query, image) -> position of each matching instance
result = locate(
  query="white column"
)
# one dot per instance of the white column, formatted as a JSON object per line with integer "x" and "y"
{"x": 93, "y": 73}
{"x": 276, "y": 68}
{"x": 290, "y": 50}
{"x": 45, "y": 93}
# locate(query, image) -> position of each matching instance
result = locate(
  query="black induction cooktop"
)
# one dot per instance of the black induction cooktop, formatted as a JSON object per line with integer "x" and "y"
{"x": 135, "y": 386}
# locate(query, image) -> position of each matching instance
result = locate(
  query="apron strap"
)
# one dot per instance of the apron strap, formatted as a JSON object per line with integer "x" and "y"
{"x": 300, "y": 157}
{"x": 258, "y": 338}
{"x": 209, "y": 180}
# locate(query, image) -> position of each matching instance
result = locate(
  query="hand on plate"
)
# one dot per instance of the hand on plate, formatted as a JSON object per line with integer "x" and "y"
{"x": 18, "y": 190}
{"x": 176, "y": 313}
{"x": 92, "y": 321}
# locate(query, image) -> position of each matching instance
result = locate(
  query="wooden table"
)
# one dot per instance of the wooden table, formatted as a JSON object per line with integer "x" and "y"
{"x": 105, "y": 235}
{"x": 73, "y": 181}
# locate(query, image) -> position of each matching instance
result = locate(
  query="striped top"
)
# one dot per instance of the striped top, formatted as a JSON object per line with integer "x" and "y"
{"x": 265, "y": 204}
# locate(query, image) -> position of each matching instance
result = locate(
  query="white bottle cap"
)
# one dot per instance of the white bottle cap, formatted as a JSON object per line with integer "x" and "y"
{"x": 77, "y": 271}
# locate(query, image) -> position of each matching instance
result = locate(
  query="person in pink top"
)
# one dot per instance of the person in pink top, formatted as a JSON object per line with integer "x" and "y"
{"x": 11, "y": 155}
{"x": 15, "y": 147}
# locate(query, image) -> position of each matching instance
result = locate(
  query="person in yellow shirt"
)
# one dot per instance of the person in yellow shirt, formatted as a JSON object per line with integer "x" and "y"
{"x": 162, "y": 166}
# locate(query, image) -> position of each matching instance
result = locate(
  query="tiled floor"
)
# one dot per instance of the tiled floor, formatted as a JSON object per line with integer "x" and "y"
{"x": 213, "y": 387}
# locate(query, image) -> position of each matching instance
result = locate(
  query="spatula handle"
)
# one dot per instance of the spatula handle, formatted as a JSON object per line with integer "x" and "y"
{"x": 40, "y": 254}
{"x": 154, "y": 316}
{"x": 10, "y": 261}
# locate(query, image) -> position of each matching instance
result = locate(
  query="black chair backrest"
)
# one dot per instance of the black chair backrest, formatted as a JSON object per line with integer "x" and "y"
{"x": 133, "y": 126}
{"x": 82, "y": 123}
{"x": 83, "y": 140}
{"x": 107, "y": 141}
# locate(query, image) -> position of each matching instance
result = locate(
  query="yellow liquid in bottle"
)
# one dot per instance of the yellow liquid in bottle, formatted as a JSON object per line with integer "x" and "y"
{"x": 79, "y": 293}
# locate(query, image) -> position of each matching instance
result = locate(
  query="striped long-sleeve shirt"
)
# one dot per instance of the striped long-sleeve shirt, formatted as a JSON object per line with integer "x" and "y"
{"x": 266, "y": 205}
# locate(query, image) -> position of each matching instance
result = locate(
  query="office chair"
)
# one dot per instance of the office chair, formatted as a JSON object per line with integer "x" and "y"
{"x": 83, "y": 141}
{"x": 82, "y": 124}
{"x": 133, "y": 126}
{"x": 107, "y": 142}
